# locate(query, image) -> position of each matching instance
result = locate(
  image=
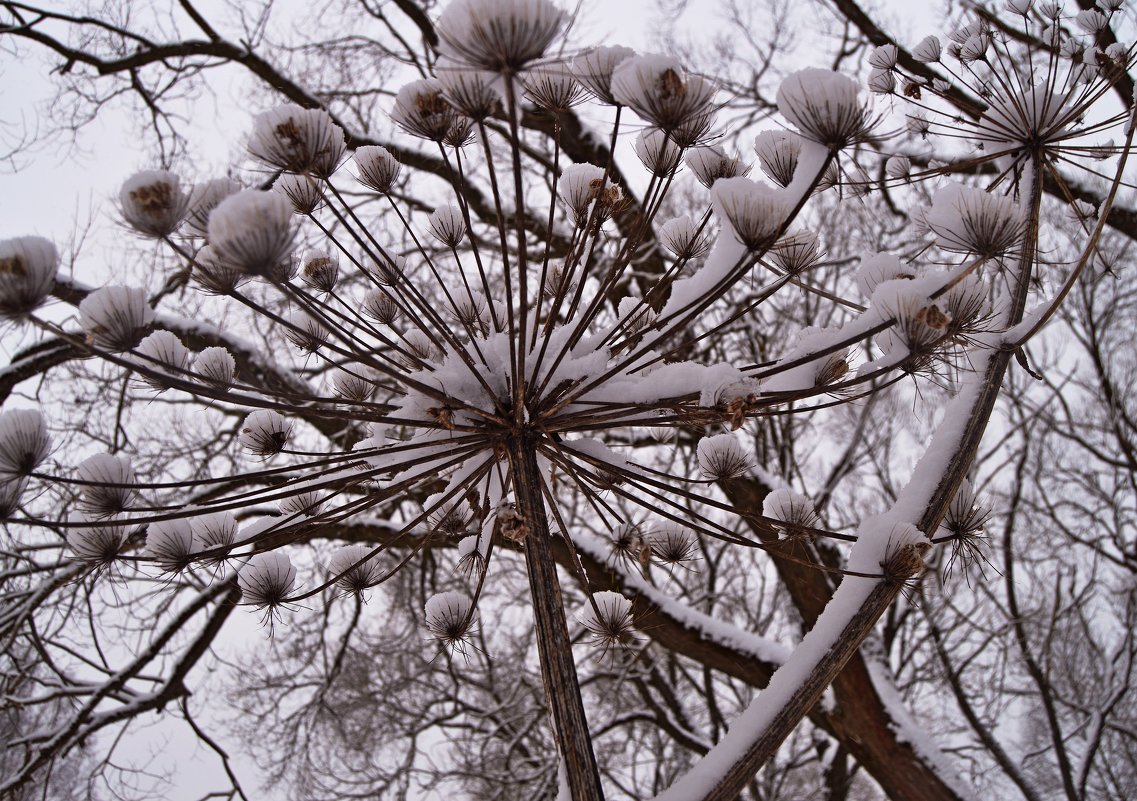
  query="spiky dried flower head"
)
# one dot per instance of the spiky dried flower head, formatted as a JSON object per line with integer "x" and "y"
{"x": 608, "y": 618}
{"x": 266, "y": 579}
{"x": 28, "y": 265}
{"x": 265, "y": 432}
{"x": 966, "y": 514}
{"x": 115, "y": 317}
{"x": 306, "y": 333}
{"x": 473, "y": 93}
{"x": 755, "y": 212}
{"x": 778, "y": 153}
{"x": 24, "y": 443}
{"x": 582, "y": 184}
{"x": 884, "y": 57}
{"x": 722, "y": 457}
{"x": 920, "y": 327}
{"x": 471, "y": 560}
{"x": 302, "y": 504}
{"x": 352, "y": 386}
{"x": 297, "y": 139}
{"x": 216, "y": 531}
{"x": 355, "y": 568}
{"x": 380, "y": 306}
{"x": 682, "y": 236}
{"x": 252, "y": 232}
{"x": 710, "y": 162}
{"x": 106, "y": 485}
{"x": 321, "y": 270}
{"x": 447, "y": 226}
{"x": 450, "y": 618}
{"x": 825, "y": 106}
{"x": 377, "y": 168}
{"x": 792, "y": 508}
{"x": 658, "y": 89}
{"x": 899, "y": 167}
{"x": 422, "y": 110}
{"x": 203, "y": 200}
{"x": 795, "y": 252}
{"x": 627, "y": 544}
{"x": 216, "y": 366}
{"x": 162, "y": 357}
{"x": 153, "y": 203}
{"x": 169, "y": 544}
{"x": 657, "y": 151}
{"x": 672, "y": 543}
{"x": 97, "y": 546}
{"x": 967, "y": 219}
{"x": 882, "y": 82}
{"x": 594, "y": 68}
{"x": 214, "y": 276}
{"x": 302, "y": 191}
{"x": 553, "y": 88}
{"x": 498, "y": 35}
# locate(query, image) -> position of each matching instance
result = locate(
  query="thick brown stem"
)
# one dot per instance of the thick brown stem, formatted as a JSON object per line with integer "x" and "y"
{"x": 558, "y": 670}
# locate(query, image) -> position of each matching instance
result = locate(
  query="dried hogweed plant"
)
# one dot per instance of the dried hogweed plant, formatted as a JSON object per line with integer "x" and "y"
{"x": 472, "y": 379}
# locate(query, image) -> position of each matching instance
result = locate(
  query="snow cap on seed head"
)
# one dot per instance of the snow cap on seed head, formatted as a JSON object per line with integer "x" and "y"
{"x": 107, "y": 485}
{"x": 658, "y": 89}
{"x": 754, "y": 211}
{"x": 216, "y": 366}
{"x": 710, "y": 162}
{"x": 608, "y": 618}
{"x": 594, "y": 69}
{"x": 27, "y": 274}
{"x": 970, "y": 220}
{"x": 265, "y": 432}
{"x": 354, "y": 568}
{"x": 153, "y": 203}
{"x": 778, "y": 153}
{"x": 498, "y": 35}
{"x": 24, "y": 443}
{"x": 378, "y": 169}
{"x": 824, "y": 106}
{"x": 579, "y": 186}
{"x": 266, "y": 579}
{"x": 217, "y": 530}
{"x": 252, "y": 231}
{"x": 162, "y": 349}
{"x": 170, "y": 544}
{"x": 656, "y": 151}
{"x": 422, "y": 110}
{"x": 722, "y": 456}
{"x": 681, "y": 236}
{"x": 447, "y": 226}
{"x": 450, "y": 617}
{"x": 297, "y": 139}
{"x": 301, "y": 190}
{"x": 97, "y": 546}
{"x": 115, "y": 317}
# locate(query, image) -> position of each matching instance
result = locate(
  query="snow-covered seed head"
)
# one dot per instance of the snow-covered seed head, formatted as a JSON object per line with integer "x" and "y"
{"x": 657, "y": 152}
{"x": 967, "y": 219}
{"x": 354, "y": 568}
{"x": 635, "y": 315}
{"x": 628, "y": 544}
{"x": 96, "y": 546}
{"x": 553, "y": 88}
{"x": 471, "y": 92}
{"x": 420, "y": 345}
{"x": 471, "y": 561}
{"x": 672, "y": 544}
{"x": 825, "y": 107}
{"x": 216, "y": 531}
{"x": 214, "y": 276}
{"x": 460, "y": 133}
{"x": 321, "y": 271}
{"x": 265, "y": 432}
{"x": 608, "y": 619}
{"x": 216, "y": 366}
{"x": 380, "y": 306}
{"x": 352, "y": 386}
{"x": 296, "y": 139}
{"x": 968, "y": 308}
{"x": 162, "y": 354}
{"x": 378, "y": 169}
{"x": 470, "y": 311}
{"x": 791, "y": 508}
{"x": 447, "y": 226}
{"x": 498, "y": 35}
{"x": 905, "y": 552}
{"x": 115, "y": 317}
{"x": 682, "y": 237}
{"x": 659, "y": 90}
{"x": 421, "y": 110}
{"x": 302, "y": 191}
{"x": 388, "y": 269}
{"x": 10, "y": 493}
{"x": 921, "y": 325}
{"x": 450, "y": 618}
{"x": 306, "y": 333}
{"x": 27, "y": 274}
{"x": 267, "y": 579}
{"x": 755, "y": 212}
{"x": 203, "y": 200}
{"x": 169, "y": 543}
{"x": 974, "y": 48}
{"x": 580, "y": 185}
{"x": 778, "y": 153}
{"x": 594, "y": 68}
{"x": 882, "y": 82}
{"x": 153, "y": 203}
{"x": 795, "y": 252}
{"x": 710, "y": 162}
{"x": 878, "y": 268}
{"x": 722, "y": 457}
{"x": 24, "y": 443}
{"x": 1021, "y": 7}
{"x": 107, "y": 485}
{"x": 898, "y": 167}
{"x": 450, "y": 518}
{"x": 883, "y": 57}
{"x": 252, "y": 231}
{"x": 302, "y": 504}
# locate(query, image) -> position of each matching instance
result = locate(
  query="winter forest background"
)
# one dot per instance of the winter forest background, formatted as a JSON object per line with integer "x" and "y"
{"x": 447, "y": 406}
